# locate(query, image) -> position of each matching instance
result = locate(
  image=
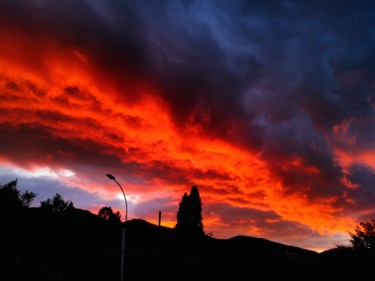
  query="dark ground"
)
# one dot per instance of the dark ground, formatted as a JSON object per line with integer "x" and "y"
{"x": 78, "y": 245}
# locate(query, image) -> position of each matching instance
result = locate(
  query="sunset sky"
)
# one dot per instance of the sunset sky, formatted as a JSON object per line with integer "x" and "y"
{"x": 268, "y": 107}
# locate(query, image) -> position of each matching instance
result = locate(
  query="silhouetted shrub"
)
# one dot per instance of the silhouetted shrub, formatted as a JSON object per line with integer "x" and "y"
{"x": 107, "y": 214}
{"x": 56, "y": 204}
{"x": 364, "y": 236}
{"x": 11, "y": 197}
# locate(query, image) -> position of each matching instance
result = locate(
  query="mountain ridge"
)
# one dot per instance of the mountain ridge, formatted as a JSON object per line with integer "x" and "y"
{"x": 78, "y": 245}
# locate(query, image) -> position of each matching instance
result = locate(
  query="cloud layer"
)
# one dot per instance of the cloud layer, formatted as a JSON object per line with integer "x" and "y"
{"x": 267, "y": 108}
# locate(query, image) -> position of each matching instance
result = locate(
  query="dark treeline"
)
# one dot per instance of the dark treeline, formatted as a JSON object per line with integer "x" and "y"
{"x": 57, "y": 241}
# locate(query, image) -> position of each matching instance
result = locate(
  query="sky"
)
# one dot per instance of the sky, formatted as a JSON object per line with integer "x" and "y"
{"x": 268, "y": 107}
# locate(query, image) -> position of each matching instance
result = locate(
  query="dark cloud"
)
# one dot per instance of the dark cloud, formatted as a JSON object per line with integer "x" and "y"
{"x": 267, "y": 222}
{"x": 281, "y": 78}
{"x": 154, "y": 206}
{"x": 363, "y": 195}
{"x": 26, "y": 145}
{"x": 284, "y": 59}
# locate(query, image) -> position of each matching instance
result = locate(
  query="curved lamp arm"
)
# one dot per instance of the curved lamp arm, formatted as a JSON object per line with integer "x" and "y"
{"x": 126, "y": 202}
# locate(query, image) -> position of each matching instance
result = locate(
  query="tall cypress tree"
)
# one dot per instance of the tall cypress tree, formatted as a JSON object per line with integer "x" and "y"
{"x": 189, "y": 216}
{"x": 182, "y": 215}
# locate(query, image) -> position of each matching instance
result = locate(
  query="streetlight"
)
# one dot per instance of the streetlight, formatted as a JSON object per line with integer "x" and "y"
{"x": 123, "y": 229}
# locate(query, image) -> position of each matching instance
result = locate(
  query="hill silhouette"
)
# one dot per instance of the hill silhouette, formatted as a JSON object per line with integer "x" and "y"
{"x": 78, "y": 245}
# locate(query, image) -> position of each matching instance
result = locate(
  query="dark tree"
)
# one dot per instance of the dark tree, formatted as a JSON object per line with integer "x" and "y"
{"x": 189, "y": 216}
{"x": 107, "y": 214}
{"x": 182, "y": 214}
{"x": 57, "y": 204}
{"x": 364, "y": 236}
{"x": 11, "y": 196}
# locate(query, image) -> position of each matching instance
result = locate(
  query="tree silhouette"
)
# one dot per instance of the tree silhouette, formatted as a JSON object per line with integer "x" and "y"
{"x": 11, "y": 197}
{"x": 57, "y": 204}
{"x": 189, "y": 216}
{"x": 364, "y": 236}
{"x": 107, "y": 214}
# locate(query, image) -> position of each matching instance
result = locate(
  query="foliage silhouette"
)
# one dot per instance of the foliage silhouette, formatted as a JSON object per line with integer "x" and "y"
{"x": 364, "y": 236}
{"x": 57, "y": 204}
{"x": 189, "y": 216}
{"x": 107, "y": 214}
{"x": 11, "y": 197}
{"x": 78, "y": 245}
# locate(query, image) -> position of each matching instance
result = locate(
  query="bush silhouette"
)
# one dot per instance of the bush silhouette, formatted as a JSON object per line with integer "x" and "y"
{"x": 364, "y": 236}
{"x": 107, "y": 214}
{"x": 11, "y": 197}
{"x": 57, "y": 204}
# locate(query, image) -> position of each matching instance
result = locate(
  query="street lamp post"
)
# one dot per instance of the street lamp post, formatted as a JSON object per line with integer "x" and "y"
{"x": 123, "y": 229}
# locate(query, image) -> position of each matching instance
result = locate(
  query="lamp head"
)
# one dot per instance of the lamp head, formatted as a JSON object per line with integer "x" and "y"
{"x": 111, "y": 177}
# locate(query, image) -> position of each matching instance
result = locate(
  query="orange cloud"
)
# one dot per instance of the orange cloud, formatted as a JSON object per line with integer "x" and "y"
{"x": 57, "y": 90}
